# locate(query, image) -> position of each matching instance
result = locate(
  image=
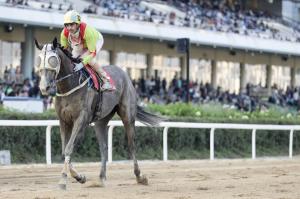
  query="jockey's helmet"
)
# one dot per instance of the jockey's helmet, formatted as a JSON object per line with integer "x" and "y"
{"x": 72, "y": 16}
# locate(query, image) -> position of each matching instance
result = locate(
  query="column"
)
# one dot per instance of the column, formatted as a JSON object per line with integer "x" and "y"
{"x": 112, "y": 57}
{"x": 213, "y": 79}
{"x": 183, "y": 67}
{"x": 269, "y": 78}
{"x": 293, "y": 77}
{"x": 27, "y": 52}
{"x": 149, "y": 62}
{"x": 242, "y": 77}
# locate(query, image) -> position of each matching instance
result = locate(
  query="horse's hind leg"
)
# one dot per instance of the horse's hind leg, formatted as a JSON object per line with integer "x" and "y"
{"x": 128, "y": 121}
{"x": 101, "y": 134}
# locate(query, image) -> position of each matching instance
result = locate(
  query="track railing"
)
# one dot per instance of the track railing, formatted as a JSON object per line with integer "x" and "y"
{"x": 165, "y": 125}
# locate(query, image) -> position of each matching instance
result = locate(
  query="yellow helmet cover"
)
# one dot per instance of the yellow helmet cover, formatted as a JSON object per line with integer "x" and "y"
{"x": 72, "y": 17}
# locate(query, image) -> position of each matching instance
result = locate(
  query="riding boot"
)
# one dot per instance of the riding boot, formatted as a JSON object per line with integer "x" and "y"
{"x": 106, "y": 86}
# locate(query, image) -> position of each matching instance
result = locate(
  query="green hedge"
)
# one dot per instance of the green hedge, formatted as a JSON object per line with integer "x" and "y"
{"x": 27, "y": 144}
{"x": 217, "y": 113}
{"x": 182, "y": 143}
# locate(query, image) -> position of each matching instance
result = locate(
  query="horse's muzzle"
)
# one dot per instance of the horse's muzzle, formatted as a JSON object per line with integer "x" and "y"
{"x": 45, "y": 91}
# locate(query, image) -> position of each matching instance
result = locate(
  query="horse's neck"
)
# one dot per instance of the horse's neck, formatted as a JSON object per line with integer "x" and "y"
{"x": 66, "y": 67}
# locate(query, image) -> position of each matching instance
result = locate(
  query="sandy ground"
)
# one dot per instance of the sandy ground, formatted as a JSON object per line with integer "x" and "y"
{"x": 263, "y": 178}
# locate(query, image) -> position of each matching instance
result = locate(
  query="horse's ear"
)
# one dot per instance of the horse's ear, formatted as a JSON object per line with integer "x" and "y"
{"x": 54, "y": 43}
{"x": 40, "y": 47}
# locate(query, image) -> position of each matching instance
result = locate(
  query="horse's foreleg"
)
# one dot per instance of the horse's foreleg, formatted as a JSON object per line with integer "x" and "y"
{"x": 79, "y": 177}
{"x": 63, "y": 180}
{"x": 68, "y": 167}
{"x": 65, "y": 132}
{"x": 78, "y": 126}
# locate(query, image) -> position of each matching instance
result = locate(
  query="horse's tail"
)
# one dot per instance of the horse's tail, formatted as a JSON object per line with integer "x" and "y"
{"x": 147, "y": 118}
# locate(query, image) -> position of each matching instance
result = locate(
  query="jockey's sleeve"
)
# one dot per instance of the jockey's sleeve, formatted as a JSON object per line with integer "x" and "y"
{"x": 92, "y": 37}
{"x": 63, "y": 40}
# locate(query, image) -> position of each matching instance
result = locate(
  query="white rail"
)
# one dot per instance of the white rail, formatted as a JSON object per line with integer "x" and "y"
{"x": 166, "y": 125}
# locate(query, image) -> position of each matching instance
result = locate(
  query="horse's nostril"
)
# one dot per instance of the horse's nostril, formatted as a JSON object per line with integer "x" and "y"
{"x": 47, "y": 88}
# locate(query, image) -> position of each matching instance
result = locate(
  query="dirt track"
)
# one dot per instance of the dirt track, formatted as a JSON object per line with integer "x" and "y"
{"x": 175, "y": 179}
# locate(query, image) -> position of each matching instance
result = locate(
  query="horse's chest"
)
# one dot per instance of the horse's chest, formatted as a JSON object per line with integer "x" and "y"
{"x": 68, "y": 111}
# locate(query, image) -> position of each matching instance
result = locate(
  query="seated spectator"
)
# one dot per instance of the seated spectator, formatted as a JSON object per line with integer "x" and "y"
{"x": 60, "y": 7}
{"x": 35, "y": 90}
{"x": 50, "y": 5}
{"x": 2, "y": 95}
{"x": 6, "y": 74}
{"x": 70, "y": 7}
{"x": 88, "y": 10}
{"x": 10, "y": 89}
{"x": 26, "y": 87}
{"x": 12, "y": 74}
{"x": 19, "y": 76}
{"x": 20, "y": 2}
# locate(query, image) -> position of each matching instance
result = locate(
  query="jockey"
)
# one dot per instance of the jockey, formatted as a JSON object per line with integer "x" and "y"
{"x": 86, "y": 43}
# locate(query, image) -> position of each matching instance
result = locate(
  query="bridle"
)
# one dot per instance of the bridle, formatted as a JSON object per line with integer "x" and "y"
{"x": 54, "y": 53}
{"x": 57, "y": 68}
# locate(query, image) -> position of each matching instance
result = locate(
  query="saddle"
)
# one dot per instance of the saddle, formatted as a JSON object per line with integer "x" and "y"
{"x": 96, "y": 81}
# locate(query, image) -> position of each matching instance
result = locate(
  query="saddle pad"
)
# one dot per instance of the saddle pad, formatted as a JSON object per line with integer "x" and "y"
{"x": 111, "y": 81}
{"x": 93, "y": 76}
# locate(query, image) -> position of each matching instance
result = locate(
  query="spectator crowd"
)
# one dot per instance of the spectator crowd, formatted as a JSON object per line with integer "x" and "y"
{"x": 159, "y": 91}
{"x": 213, "y": 15}
{"x": 155, "y": 90}
{"x": 14, "y": 85}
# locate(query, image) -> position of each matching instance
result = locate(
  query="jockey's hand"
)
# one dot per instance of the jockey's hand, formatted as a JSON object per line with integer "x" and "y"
{"x": 78, "y": 67}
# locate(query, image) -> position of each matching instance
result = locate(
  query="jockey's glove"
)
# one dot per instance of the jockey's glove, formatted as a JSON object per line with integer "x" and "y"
{"x": 78, "y": 67}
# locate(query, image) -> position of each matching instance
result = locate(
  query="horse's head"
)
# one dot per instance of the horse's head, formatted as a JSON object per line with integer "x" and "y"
{"x": 48, "y": 63}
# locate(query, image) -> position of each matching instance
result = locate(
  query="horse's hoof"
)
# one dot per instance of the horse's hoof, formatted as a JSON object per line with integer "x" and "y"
{"x": 62, "y": 184}
{"x": 62, "y": 187}
{"x": 142, "y": 180}
{"x": 81, "y": 179}
{"x": 102, "y": 183}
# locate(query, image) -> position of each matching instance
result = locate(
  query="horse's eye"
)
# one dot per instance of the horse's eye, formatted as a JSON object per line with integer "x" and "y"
{"x": 38, "y": 61}
{"x": 53, "y": 61}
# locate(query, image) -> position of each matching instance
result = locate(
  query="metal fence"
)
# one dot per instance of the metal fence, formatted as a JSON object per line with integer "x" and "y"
{"x": 165, "y": 125}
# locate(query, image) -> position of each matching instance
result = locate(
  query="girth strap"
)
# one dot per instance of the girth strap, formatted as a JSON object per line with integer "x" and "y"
{"x": 97, "y": 104}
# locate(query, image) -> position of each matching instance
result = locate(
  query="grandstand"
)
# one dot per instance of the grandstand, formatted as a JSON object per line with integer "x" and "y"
{"x": 249, "y": 41}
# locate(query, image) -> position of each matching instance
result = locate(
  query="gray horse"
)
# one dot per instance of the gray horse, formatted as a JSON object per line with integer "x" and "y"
{"x": 78, "y": 105}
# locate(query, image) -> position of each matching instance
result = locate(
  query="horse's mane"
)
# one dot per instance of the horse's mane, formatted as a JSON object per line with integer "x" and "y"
{"x": 69, "y": 54}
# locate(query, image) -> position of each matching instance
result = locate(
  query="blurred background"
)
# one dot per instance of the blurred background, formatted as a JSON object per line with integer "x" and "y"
{"x": 240, "y": 50}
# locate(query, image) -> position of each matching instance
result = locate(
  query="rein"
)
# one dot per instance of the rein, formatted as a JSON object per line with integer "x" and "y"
{"x": 54, "y": 82}
{"x": 74, "y": 89}
{"x": 65, "y": 77}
